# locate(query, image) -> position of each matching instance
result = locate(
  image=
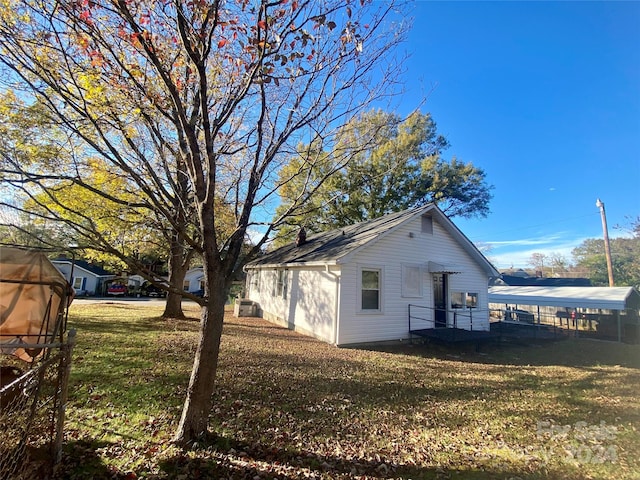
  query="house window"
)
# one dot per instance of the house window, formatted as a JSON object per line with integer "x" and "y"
{"x": 370, "y": 281}
{"x": 464, "y": 300}
{"x": 185, "y": 285}
{"x": 471, "y": 300}
{"x": 457, "y": 299}
{"x": 427, "y": 224}
{"x": 281, "y": 283}
{"x": 411, "y": 281}
{"x": 255, "y": 281}
{"x": 79, "y": 283}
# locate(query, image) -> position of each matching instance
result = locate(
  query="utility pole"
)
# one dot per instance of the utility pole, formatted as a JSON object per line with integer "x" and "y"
{"x": 607, "y": 248}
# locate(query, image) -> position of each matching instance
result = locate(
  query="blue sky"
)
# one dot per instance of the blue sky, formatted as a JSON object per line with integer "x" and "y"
{"x": 545, "y": 97}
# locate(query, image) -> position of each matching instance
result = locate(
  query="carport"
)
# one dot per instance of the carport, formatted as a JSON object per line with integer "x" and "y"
{"x": 615, "y": 299}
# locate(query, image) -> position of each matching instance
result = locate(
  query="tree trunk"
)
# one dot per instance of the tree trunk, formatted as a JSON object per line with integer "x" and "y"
{"x": 197, "y": 407}
{"x": 173, "y": 307}
{"x": 177, "y": 265}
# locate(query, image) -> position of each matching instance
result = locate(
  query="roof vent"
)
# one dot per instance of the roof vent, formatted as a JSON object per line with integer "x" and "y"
{"x": 301, "y": 238}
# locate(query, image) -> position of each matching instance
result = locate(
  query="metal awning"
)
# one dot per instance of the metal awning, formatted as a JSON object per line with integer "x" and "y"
{"x": 435, "y": 267}
{"x": 609, "y": 298}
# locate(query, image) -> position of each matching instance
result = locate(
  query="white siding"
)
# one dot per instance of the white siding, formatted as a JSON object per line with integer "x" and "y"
{"x": 91, "y": 282}
{"x": 194, "y": 279}
{"x": 406, "y": 245}
{"x": 310, "y": 304}
{"x": 261, "y": 291}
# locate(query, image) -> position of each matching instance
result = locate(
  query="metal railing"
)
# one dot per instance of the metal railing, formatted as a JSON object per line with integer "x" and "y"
{"x": 421, "y": 317}
{"x": 620, "y": 326}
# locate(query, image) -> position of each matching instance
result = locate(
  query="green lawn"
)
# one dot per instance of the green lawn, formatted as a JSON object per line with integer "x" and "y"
{"x": 288, "y": 406}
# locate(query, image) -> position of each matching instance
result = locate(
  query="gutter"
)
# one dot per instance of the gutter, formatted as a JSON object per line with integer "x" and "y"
{"x": 290, "y": 265}
{"x": 337, "y": 304}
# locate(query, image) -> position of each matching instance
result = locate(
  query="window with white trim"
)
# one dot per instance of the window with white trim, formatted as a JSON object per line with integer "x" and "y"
{"x": 472, "y": 300}
{"x": 457, "y": 299}
{"x": 79, "y": 283}
{"x": 411, "y": 281}
{"x": 426, "y": 225}
{"x": 281, "y": 283}
{"x": 464, "y": 300}
{"x": 255, "y": 281}
{"x": 370, "y": 289}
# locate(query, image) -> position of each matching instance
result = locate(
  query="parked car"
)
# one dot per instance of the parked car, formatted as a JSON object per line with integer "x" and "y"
{"x": 117, "y": 289}
{"x": 150, "y": 290}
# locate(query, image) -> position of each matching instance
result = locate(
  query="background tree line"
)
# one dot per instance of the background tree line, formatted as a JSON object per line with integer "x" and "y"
{"x": 589, "y": 260}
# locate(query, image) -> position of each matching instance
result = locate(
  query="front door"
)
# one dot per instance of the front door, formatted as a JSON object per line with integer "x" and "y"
{"x": 440, "y": 299}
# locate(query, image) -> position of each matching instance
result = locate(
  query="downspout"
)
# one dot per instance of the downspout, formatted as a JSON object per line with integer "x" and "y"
{"x": 337, "y": 304}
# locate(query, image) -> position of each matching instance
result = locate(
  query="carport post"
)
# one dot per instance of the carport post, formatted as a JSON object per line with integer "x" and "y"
{"x": 619, "y": 326}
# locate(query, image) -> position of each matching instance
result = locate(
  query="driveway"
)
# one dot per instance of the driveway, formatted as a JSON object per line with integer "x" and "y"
{"x": 123, "y": 300}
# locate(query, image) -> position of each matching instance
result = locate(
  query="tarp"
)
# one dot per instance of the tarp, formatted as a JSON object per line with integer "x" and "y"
{"x": 606, "y": 298}
{"x": 32, "y": 297}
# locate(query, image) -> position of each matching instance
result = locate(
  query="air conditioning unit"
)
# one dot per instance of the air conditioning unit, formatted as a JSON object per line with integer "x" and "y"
{"x": 244, "y": 308}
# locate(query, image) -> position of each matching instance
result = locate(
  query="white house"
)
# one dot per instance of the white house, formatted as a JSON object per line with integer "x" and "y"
{"x": 85, "y": 278}
{"x": 355, "y": 284}
{"x": 194, "y": 280}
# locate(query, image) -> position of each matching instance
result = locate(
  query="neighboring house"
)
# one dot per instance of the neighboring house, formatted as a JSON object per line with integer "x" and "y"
{"x": 528, "y": 281}
{"x": 194, "y": 280}
{"x": 355, "y": 284}
{"x": 87, "y": 279}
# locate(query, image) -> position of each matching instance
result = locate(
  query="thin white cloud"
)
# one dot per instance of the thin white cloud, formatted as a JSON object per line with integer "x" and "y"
{"x": 519, "y": 257}
{"x": 544, "y": 240}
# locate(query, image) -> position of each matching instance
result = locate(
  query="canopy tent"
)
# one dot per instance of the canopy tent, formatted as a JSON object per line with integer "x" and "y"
{"x": 33, "y": 296}
{"x": 606, "y": 298}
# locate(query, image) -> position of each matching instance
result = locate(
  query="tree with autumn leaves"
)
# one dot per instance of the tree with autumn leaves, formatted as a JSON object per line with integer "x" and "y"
{"x": 195, "y": 107}
{"x": 394, "y": 164}
{"x": 103, "y": 216}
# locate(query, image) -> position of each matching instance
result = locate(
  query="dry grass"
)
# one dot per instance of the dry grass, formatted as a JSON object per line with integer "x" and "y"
{"x": 288, "y": 406}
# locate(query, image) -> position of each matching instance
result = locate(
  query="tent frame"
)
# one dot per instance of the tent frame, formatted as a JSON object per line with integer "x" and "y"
{"x": 42, "y": 387}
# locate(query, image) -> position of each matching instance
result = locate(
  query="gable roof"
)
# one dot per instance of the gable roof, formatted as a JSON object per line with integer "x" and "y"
{"x": 93, "y": 269}
{"x": 336, "y": 246}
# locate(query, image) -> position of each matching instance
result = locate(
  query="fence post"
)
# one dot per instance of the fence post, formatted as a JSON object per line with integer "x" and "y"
{"x": 65, "y": 372}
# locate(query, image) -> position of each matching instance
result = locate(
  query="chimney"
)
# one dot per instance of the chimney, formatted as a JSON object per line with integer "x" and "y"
{"x": 301, "y": 238}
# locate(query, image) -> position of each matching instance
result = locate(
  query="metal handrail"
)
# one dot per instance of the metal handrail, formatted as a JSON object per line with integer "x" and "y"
{"x": 465, "y": 313}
